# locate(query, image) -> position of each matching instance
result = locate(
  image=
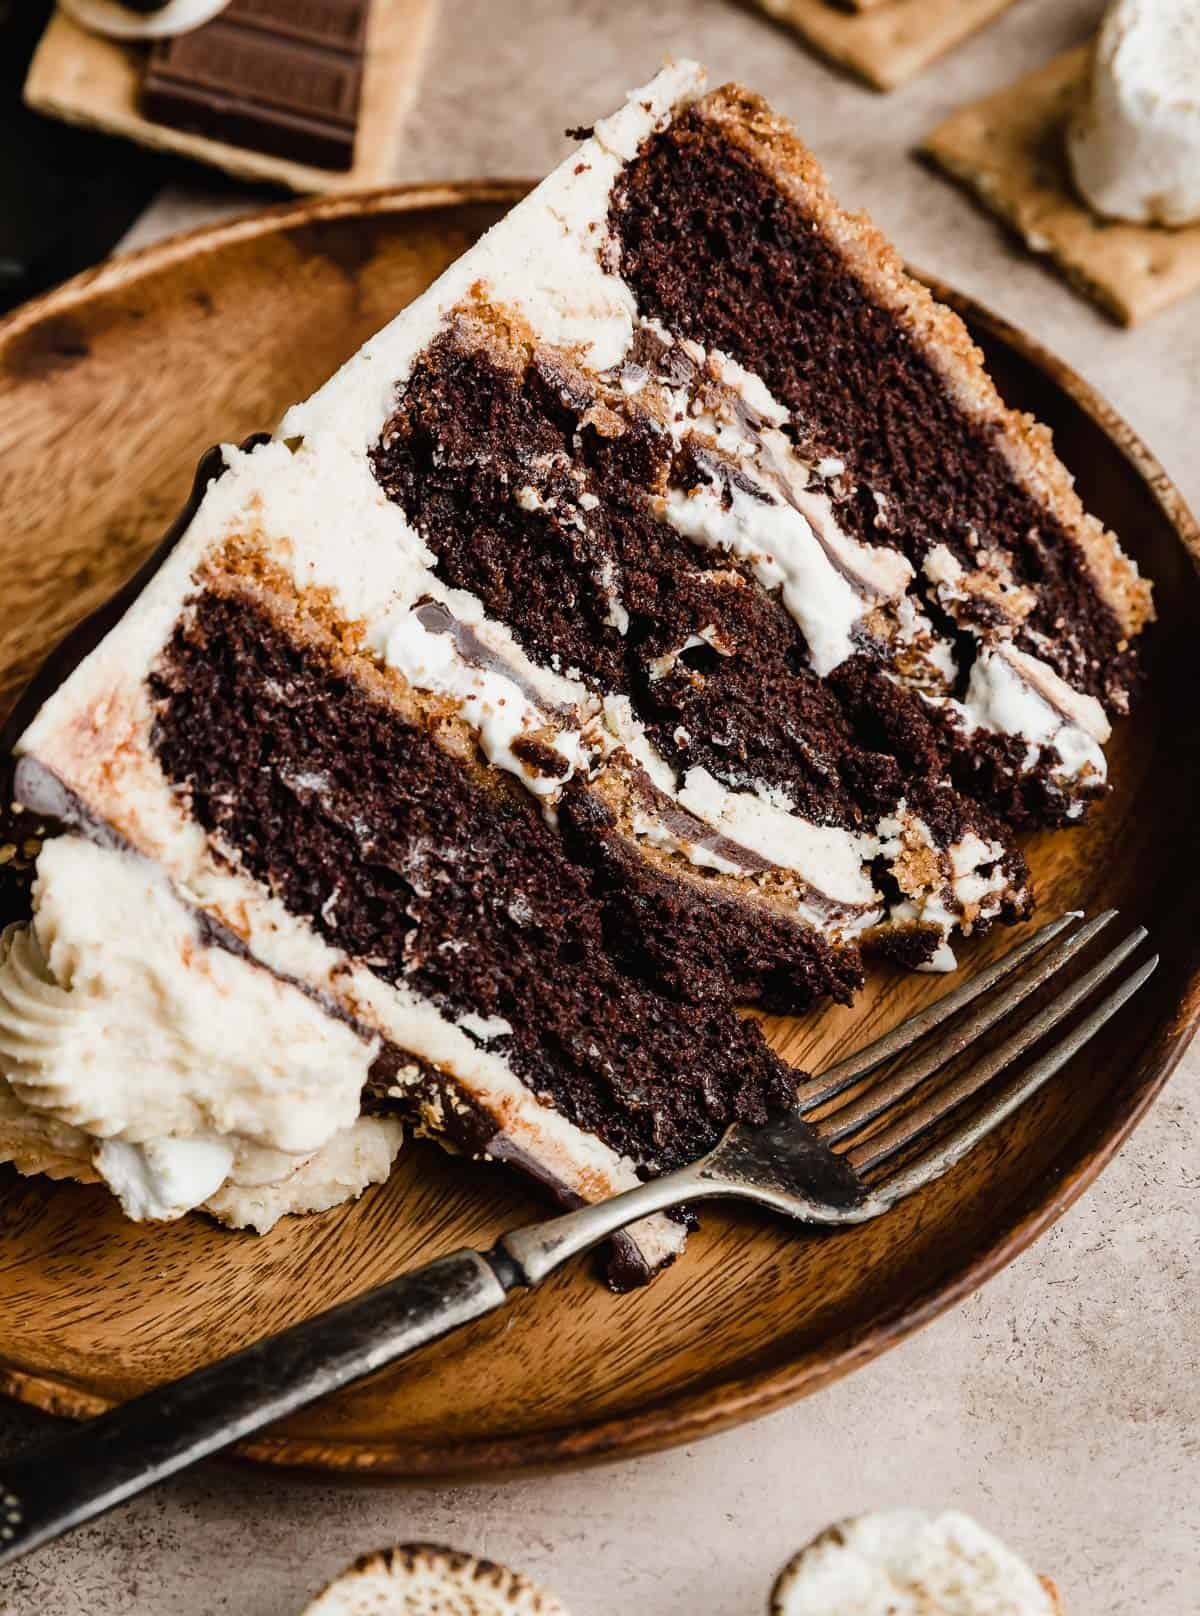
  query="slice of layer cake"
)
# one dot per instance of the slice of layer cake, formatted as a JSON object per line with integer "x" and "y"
{"x": 661, "y": 612}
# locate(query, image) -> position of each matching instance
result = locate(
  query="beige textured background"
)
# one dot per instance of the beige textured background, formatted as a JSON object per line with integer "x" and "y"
{"x": 1061, "y": 1404}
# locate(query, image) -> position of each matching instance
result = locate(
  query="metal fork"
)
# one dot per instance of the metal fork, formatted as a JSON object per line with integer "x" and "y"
{"x": 845, "y": 1155}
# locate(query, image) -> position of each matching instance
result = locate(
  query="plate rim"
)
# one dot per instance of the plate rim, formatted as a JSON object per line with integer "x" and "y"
{"x": 670, "y": 1419}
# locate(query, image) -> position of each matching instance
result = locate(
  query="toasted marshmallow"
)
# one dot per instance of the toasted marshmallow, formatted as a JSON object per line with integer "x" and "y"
{"x": 1134, "y": 138}
{"x": 905, "y": 1562}
{"x": 421, "y": 1579}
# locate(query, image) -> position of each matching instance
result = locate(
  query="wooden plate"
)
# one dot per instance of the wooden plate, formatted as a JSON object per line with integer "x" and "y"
{"x": 109, "y": 390}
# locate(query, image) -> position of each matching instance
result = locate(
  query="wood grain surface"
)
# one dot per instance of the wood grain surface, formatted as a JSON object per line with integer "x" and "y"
{"x": 110, "y": 388}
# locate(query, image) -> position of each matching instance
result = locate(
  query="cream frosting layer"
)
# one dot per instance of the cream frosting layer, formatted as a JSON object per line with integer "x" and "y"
{"x": 832, "y": 861}
{"x": 177, "y": 1070}
{"x": 771, "y": 517}
{"x": 1011, "y": 692}
{"x": 494, "y": 705}
{"x": 157, "y": 1180}
{"x": 544, "y": 261}
{"x": 1134, "y": 137}
{"x": 355, "y": 1158}
{"x": 116, "y": 1017}
{"x": 946, "y": 889}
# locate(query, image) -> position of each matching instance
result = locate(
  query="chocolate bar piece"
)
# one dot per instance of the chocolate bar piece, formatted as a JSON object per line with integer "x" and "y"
{"x": 279, "y": 76}
{"x": 335, "y": 24}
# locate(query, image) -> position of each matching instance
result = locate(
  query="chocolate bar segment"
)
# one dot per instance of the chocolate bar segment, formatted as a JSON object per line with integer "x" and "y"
{"x": 278, "y": 78}
{"x": 332, "y": 24}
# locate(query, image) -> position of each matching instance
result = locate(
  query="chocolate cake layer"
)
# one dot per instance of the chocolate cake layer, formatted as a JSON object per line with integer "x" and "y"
{"x": 701, "y": 943}
{"x": 715, "y": 247}
{"x": 991, "y": 770}
{"x": 388, "y": 847}
{"x": 535, "y": 491}
{"x": 469, "y": 433}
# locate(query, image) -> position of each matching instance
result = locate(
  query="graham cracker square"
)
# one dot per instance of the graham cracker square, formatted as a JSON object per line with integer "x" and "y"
{"x": 885, "y": 42}
{"x": 1008, "y": 149}
{"x": 84, "y": 79}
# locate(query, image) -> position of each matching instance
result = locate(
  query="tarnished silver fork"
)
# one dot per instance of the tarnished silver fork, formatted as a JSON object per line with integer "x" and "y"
{"x": 848, "y": 1153}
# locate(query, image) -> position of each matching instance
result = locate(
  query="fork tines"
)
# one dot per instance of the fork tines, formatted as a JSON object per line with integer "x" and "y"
{"x": 883, "y": 1103}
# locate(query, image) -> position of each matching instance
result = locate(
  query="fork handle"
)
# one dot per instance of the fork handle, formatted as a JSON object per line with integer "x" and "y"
{"x": 97, "y": 1465}
{"x": 80, "y": 1475}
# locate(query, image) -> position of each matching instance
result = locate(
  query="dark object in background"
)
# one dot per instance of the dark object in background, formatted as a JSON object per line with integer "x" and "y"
{"x": 262, "y": 77}
{"x": 67, "y": 195}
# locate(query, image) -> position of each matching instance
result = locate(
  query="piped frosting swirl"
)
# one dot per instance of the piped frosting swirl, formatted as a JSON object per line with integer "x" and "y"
{"x": 117, "y": 1018}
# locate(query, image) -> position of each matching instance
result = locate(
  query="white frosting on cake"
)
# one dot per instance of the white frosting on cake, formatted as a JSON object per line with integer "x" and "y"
{"x": 253, "y": 1197}
{"x": 990, "y": 581}
{"x": 969, "y": 886}
{"x": 783, "y": 552}
{"x": 905, "y": 1562}
{"x": 928, "y": 661}
{"x": 44, "y": 1083}
{"x": 163, "y": 1178}
{"x": 784, "y": 529}
{"x": 833, "y": 861}
{"x": 39, "y": 1144}
{"x": 1134, "y": 137}
{"x": 651, "y": 830}
{"x": 542, "y": 260}
{"x": 494, "y": 706}
{"x": 621, "y": 723}
{"x": 1013, "y": 693}
{"x": 486, "y": 1029}
{"x": 176, "y": 1070}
